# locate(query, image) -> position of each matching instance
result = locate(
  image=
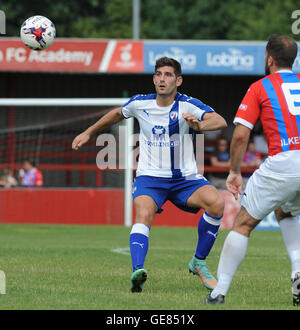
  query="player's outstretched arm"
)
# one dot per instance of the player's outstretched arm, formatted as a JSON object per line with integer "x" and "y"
{"x": 210, "y": 122}
{"x": 111, "y": 118}
{"x": 238, "y": 148}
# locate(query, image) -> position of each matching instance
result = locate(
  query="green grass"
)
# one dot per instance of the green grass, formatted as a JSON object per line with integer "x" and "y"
{"x": 74, "y": 267}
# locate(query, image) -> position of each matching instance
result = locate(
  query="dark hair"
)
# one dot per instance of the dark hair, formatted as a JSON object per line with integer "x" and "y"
{"x": 283, "y": 49}
{"x": 30, "y": 161}
{"x": 221, "y": 137}
{"x": 167, "y": 61}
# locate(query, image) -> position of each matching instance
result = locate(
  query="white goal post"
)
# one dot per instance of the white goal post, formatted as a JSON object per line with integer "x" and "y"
{"x": 32, "y": 102}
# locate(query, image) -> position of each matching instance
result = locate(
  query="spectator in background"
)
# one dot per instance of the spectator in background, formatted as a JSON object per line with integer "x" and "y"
{"x": 252, "y": 158}
{"x": 210, "y": 138}
{"x": 8, "y": 180}
{"x": 261, "y": 145}
{"x": 220, "y": 158}
{"x": 259, "y": 140}
{"x": 30, "y": 176}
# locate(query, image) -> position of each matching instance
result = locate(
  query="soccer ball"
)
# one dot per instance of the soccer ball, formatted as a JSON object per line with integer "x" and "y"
{"x": 37, "y": 32}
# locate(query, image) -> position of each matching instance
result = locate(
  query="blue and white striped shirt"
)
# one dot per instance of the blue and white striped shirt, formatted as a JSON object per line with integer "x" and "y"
{"x": 165, "y": 140}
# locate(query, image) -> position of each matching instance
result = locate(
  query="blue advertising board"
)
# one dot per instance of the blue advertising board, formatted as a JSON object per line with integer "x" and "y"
{"x": 219, "y": 58}
{"x": 270, "y": 223}
{"x": 224, "y": 58}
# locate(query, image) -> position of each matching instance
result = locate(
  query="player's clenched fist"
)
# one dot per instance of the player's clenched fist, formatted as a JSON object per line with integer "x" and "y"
{"x": 80, "y": 140}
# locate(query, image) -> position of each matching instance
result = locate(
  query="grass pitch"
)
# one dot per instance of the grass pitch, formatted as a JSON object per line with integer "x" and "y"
{"x": 88, "y": 267}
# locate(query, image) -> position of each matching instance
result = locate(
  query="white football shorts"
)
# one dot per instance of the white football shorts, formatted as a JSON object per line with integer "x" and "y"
{"x": 267, "y": 190}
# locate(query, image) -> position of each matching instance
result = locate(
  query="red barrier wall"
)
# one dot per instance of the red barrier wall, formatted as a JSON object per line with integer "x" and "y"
{"x": 65, "y": 206}
{"x": 89, "y": 207}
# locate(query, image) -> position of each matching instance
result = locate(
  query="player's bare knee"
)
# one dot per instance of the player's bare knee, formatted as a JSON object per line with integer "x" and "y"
{"x": 243, "y": 226}
{"x": 244, "y": 223}
{"x": 243, "y": 229}
{"x": 144, "y": 216}
{"x": 217, "y": 208}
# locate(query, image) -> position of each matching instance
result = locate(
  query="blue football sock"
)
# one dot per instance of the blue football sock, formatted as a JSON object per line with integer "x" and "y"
{"x": 207, "y": 233}
{"x": 139, "y": 242}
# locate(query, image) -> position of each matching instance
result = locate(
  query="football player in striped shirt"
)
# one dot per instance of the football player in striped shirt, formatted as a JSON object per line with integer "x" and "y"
{"x": 167, "y": 168}
{"x": 275, "y": 186}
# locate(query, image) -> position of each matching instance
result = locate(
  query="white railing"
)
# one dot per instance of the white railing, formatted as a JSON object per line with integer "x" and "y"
{"x": 62, "y": 102}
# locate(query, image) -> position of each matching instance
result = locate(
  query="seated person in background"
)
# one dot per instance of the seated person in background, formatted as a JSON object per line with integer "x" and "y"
{"x": 30, "y": 176}
{"x": 220, "y": 158}
{"x": 259, "y": 140}
{"x": 8, "y": 180}
{"x": 252, "y": 157}
{"x": 261, "y": 145}
{"x": 210, "y": 140}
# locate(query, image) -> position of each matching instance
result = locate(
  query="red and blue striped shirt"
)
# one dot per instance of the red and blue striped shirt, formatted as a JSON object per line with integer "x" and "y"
{"x": 275, "y": 100}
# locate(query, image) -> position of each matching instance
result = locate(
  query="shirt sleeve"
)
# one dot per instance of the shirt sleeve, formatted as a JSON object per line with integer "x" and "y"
{"x": 249, "y": 109}
{"x": 198, "y": 108}
{"x": 128, "y": 109}
{"x": 38, "y": 179}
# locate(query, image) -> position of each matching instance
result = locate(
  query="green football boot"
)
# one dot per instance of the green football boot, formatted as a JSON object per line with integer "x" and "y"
{"x": 200, "y": 268}
{"x": 138, "y": 278}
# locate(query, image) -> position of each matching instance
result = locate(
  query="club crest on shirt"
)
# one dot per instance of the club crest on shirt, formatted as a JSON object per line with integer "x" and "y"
{"x": 173, "y": 115}
{"x": 158, "y": 131}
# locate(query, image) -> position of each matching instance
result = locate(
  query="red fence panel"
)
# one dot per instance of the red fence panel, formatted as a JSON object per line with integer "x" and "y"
{"x": 90, "y": 207}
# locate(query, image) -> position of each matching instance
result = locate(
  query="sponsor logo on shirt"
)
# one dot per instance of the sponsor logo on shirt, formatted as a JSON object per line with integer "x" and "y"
{"x": 243, "y": 107}
{"x": 291, "y": 140}
{"x": 158, "y": 132}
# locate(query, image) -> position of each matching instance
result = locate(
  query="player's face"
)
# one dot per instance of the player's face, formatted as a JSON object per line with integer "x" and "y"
{"x": 165, "y": 81}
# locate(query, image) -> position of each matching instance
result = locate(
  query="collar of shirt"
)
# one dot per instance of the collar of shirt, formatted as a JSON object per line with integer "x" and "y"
{"x": 284, "y": 70}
